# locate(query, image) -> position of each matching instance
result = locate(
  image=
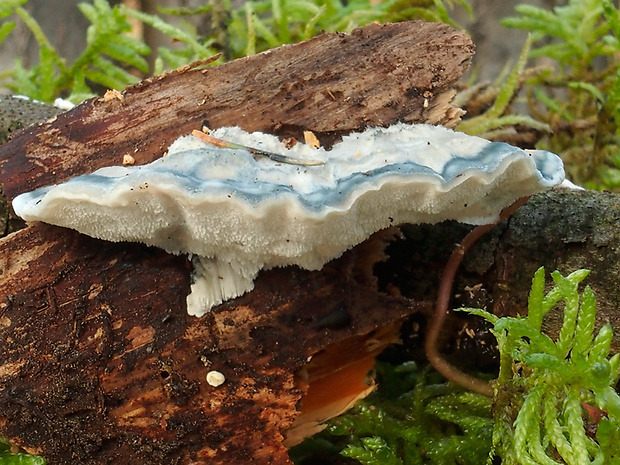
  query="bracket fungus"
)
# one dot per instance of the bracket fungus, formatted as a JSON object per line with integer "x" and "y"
{"x": 236, "y": 213}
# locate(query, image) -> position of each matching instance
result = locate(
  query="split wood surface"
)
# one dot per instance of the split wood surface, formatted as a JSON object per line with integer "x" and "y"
{"x": 330, "y": 85}
{"x": 100, "y": 362}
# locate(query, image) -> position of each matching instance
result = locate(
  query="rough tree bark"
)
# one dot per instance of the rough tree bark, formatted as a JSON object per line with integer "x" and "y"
{"x": 100, "y": 362}
{"x": 561, "y": 230}
{"x": 330, "y": 85}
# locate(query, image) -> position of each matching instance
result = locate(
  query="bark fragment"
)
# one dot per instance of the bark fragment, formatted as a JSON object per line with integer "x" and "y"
{"x": 330, "y": 85}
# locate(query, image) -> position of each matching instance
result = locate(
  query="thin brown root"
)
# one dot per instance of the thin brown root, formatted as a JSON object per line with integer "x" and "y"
{"x": 450, "y": 372}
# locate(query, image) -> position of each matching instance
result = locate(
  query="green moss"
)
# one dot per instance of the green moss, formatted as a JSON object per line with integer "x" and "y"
{"x": 414, "y": 418}
{"x": 545, "y": 388}
{"x": 8, "y": 457}
{"x": 539, "y": 413}
{"x": 114, "y": 59}
{"x": 578, "y": 96}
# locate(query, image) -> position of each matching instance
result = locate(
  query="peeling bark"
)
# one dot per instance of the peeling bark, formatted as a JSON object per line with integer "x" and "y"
{"x": 330, "y": 85}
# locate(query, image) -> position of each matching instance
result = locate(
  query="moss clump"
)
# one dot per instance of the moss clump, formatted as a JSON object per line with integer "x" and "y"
{"x": 414, "y": 418}
{"x": 9, "y": 457}
{"x": 555, "y": 400}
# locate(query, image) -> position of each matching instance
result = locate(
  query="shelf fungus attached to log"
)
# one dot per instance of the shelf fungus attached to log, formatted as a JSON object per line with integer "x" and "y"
{"x": 237, "y": 212}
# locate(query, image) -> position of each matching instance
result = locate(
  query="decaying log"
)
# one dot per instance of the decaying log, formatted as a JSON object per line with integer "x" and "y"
{"x": 561, "y": 230}
{"x": 332, "y": 84}
{"x": 101, "y": 363}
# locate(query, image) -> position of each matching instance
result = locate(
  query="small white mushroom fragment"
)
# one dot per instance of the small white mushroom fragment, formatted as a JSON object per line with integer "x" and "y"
{"x": 236, "y": 213}
{"x": 215, "y": 378}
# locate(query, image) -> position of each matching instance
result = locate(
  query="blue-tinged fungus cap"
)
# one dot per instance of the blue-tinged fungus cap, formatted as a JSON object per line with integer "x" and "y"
{"x": 237, "y": 213}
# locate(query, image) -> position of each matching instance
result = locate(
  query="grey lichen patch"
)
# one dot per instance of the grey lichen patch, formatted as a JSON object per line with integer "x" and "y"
{"x": 17, "y": 113}
{"x": 567, "y": 230}
{"x": 572, "y": 216}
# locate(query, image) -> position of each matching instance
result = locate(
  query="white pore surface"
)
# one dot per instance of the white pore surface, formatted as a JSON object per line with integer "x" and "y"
{"x": 237, "y": 214}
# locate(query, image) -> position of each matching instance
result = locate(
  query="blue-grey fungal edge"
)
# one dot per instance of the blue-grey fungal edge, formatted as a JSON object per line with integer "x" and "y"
{"x": 236, "y": 215}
